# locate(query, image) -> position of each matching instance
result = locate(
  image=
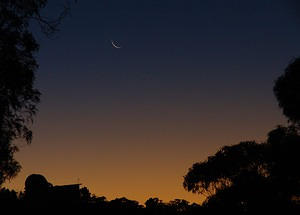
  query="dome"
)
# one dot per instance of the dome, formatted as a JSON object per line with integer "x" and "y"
{"x": 36, "y": 182}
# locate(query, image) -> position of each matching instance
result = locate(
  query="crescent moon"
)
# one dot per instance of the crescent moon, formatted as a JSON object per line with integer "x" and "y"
{"x": 115, "y": 45}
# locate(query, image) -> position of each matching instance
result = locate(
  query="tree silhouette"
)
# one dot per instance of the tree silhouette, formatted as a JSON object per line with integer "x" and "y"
{"x": 85, "y": 195}
{"x": 43, "y": 197}
{"x": 287, "y": 91}
{"x": 18, "y": 96}
{"x": 154, "y": 203}
{"x": 219, "y": 171}
{"x": 252, "y": 177}
{"x": 156, "y": 206}
{"x": 181, "y": 206}
{"x": 124, "y": 203}
{"x": 9, "y": 167}
{"x": 283, "y": 161}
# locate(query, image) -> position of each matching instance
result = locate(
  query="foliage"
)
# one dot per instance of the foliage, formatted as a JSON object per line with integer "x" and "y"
{"x": 18, "y": 96}
{"x": 286, "y": 90}
{"x": 220, "y": 171}
{"x": 9, "y": 167}
{"x": 251, "y": 177}
{"x": 87, "y": 203}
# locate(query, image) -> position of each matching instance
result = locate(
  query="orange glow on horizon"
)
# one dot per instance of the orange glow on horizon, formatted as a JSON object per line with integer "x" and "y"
{"x": 147, "y": 158}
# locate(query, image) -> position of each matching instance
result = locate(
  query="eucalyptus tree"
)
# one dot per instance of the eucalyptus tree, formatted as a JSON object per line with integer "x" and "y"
{"x": 18, "y": 96}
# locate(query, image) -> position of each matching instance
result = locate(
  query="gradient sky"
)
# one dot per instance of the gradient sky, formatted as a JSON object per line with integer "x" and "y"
{"x": 191, "y": 76}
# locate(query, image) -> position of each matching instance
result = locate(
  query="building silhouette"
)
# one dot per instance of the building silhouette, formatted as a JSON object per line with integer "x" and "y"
{"x": 39, "y": 193}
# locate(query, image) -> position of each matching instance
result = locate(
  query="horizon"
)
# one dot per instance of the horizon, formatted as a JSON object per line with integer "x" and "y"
{"x": 189, "y": 79}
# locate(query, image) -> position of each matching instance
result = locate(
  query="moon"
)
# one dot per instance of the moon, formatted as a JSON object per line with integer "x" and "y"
{"x": 115, "y": 45}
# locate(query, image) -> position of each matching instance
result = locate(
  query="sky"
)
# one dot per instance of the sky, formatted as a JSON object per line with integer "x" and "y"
{"x": 191, "y": 77}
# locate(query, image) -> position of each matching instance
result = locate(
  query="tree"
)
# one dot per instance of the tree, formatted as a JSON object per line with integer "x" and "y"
{"x": 283, "y": 161}
{"x": 154, "y": 203}
{"x": 18, "y": 96}
{"x": 249, "y": 176}
{"x": 220, "y": 171}
{"x": 181, "y": 206}
{"x": 9, "y": 201}
{"x": 9, "y": 167}
{"x": 156, "y": 206}
{"x": 252, "y": 177}
{"x": 287, "y": 91}
{"x": 85, "y": 195}
{"x": 124, "y": 203}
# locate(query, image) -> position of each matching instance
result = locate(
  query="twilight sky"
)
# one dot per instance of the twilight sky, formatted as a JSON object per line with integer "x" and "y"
{"x": 191, "y": 76}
